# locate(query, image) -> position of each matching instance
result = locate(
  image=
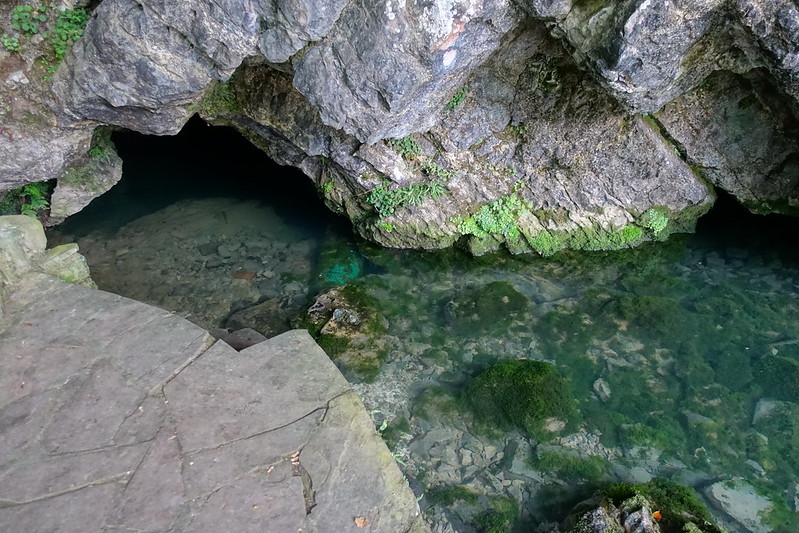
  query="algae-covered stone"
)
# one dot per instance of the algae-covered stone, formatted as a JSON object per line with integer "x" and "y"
{"x": 779, "y": 377}
{"x": 742, "y": 503}
{"x": 490, "y": 307}
{"x": 346, "y": 323}
{"x": 659, "y": 506}
{"x": 519, "y": 394}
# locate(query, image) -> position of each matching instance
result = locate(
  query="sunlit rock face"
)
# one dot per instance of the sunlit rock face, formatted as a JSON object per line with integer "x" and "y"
{"x": 535, "y": 125}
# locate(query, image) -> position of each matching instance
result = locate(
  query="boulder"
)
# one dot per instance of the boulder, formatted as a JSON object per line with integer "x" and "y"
{"x": 267, "y": 318}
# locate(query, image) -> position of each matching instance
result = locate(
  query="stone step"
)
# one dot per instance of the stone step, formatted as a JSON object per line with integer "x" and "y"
{"x": 118, "y": 415}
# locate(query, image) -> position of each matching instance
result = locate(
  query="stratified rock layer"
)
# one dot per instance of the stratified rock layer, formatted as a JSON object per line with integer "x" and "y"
{"x": 525, "y": 117}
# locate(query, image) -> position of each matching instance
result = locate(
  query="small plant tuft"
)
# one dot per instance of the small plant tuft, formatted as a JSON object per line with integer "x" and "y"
{"x": 654, "y": 220}
{"x": 10, "y": 43}
{"x": 386, "y": 201}
{"x": 26, "y": 18}
{"x": 458, "y": 98}
{"x": 499, "y": 218}
{"x": 69, "y": 26}
{"x": 407, "y": 147}
{"x": 26, "y": 200}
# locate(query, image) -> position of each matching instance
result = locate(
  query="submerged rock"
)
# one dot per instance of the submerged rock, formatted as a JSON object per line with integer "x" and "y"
{"x": 267, "y": 318}
{"x": 491, "y": 307}
{"x": 520, "y": 394}
{"x": 654, "y": 507}
{"x": 346, "y": 323}
{"x": 739, "y": 500}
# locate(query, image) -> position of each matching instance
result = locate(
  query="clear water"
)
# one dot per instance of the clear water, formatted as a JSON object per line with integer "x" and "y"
{"x": 682, "y": 356}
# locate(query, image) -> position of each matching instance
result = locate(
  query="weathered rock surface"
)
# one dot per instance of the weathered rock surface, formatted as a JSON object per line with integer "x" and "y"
{"x": 115, "y": 415}
{"x": 524, "y": 114}
{"x": 22, "y": 250}
{"x": 85, "y": 180}
{"x": 740, "y": 501}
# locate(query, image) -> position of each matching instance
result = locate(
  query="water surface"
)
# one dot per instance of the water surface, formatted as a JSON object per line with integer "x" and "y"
{"x": 682, "y": 357}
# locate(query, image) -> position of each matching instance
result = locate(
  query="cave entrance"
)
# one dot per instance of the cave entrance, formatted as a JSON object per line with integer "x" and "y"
{"x": 730, "y": 225}
{"x": 204, "y": 224}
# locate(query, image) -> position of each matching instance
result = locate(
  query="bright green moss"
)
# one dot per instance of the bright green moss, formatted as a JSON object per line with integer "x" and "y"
{"x": 519, "y": 394}
{"x": 571, "y": 467}
{"x": 499, "y": 518}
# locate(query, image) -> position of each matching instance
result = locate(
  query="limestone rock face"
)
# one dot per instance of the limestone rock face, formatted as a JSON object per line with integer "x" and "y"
{"x": 388, "y": 67}
{"x": 512, "y": 123}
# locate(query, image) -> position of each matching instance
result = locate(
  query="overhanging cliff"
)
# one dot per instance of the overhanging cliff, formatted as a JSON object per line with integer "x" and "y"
{"x": 537, "y": 125}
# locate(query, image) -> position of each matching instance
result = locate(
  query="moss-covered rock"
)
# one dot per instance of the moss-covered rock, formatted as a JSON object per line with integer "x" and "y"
{"x": 678, "y": 506}
{"x": 499, "y": 517}
{"x": 570, "y": 466}
{"x": 488, "y": 308}
{"x": 779, "y": 377}
{"x": 519, "y": 394}
{"x": 346, "y": 323}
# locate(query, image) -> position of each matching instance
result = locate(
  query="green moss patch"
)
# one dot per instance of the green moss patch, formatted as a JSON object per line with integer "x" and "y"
{"x": 571, "y": 466}
{"x": 779, "y": 377}
{"x": 519, "y": 394}
{"x": 488, "y": 308}
{"x": 500, "y": 517}
{"x": 678, "y": 505}
{"x": 449, "y": 494}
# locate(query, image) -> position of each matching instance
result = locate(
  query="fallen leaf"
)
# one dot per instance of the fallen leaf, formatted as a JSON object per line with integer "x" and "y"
{"x": 361, "y": 521}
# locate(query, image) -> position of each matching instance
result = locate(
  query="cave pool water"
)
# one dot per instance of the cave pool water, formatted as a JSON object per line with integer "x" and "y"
{"x": 682, "y": 356}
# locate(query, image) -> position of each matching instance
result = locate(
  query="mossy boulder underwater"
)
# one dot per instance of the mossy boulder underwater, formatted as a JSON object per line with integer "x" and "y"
{"x": 520, "y": 394}
{"x": 490, "y": 307}
{"x": 347, "y": 325}
{"x": 779, "y": 377}
{"x": 659, "y": 505}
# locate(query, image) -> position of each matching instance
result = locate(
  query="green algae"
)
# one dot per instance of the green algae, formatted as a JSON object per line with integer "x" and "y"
{"x": 571, "y": 467}
{"x": 779, "y": 377}
{"x": 678, "y": 505}
{"x": 488, "y": 308}
{"x": 521, "y": 395}
{"x": 448, "y": 494}
{"x": 499, "y": 517}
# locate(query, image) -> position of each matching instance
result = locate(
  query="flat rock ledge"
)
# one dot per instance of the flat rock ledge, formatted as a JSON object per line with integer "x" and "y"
{"x": 119, "y": 416}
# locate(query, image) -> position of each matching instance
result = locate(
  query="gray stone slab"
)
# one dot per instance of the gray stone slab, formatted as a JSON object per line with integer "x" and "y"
{"x": 258, "y": 502}
{"x": 143, "y": 422}
{"x": 264, "y": 387}
{"x": 354, "y": 475}
{"x": 117, "y": 416}
{"x": 80, "y": 511}
{"x": 155, "y": 494}
{"x": 20, "y": 423}
{"x": 51, "y": 317}
{"x": 209, "y": 469}
{"x": 93, "y": 406}
{"x": 40, "y": 477}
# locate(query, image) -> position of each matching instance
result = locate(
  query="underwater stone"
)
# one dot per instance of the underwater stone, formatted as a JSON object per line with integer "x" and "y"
{"x": 267, "y": 318}
{"x": 519, "y": 394}
{"x": 491, "y": 307}
{"x": 739, "y": 500}
{"x": 602, "y": 389}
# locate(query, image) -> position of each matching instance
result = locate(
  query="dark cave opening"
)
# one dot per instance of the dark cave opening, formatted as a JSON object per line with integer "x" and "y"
{"x": 730, "y": 224}
{"x": 202, "y": 161}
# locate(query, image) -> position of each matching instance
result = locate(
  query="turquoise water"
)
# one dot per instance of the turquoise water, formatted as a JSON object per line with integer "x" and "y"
{"x": 681, "y": 358}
